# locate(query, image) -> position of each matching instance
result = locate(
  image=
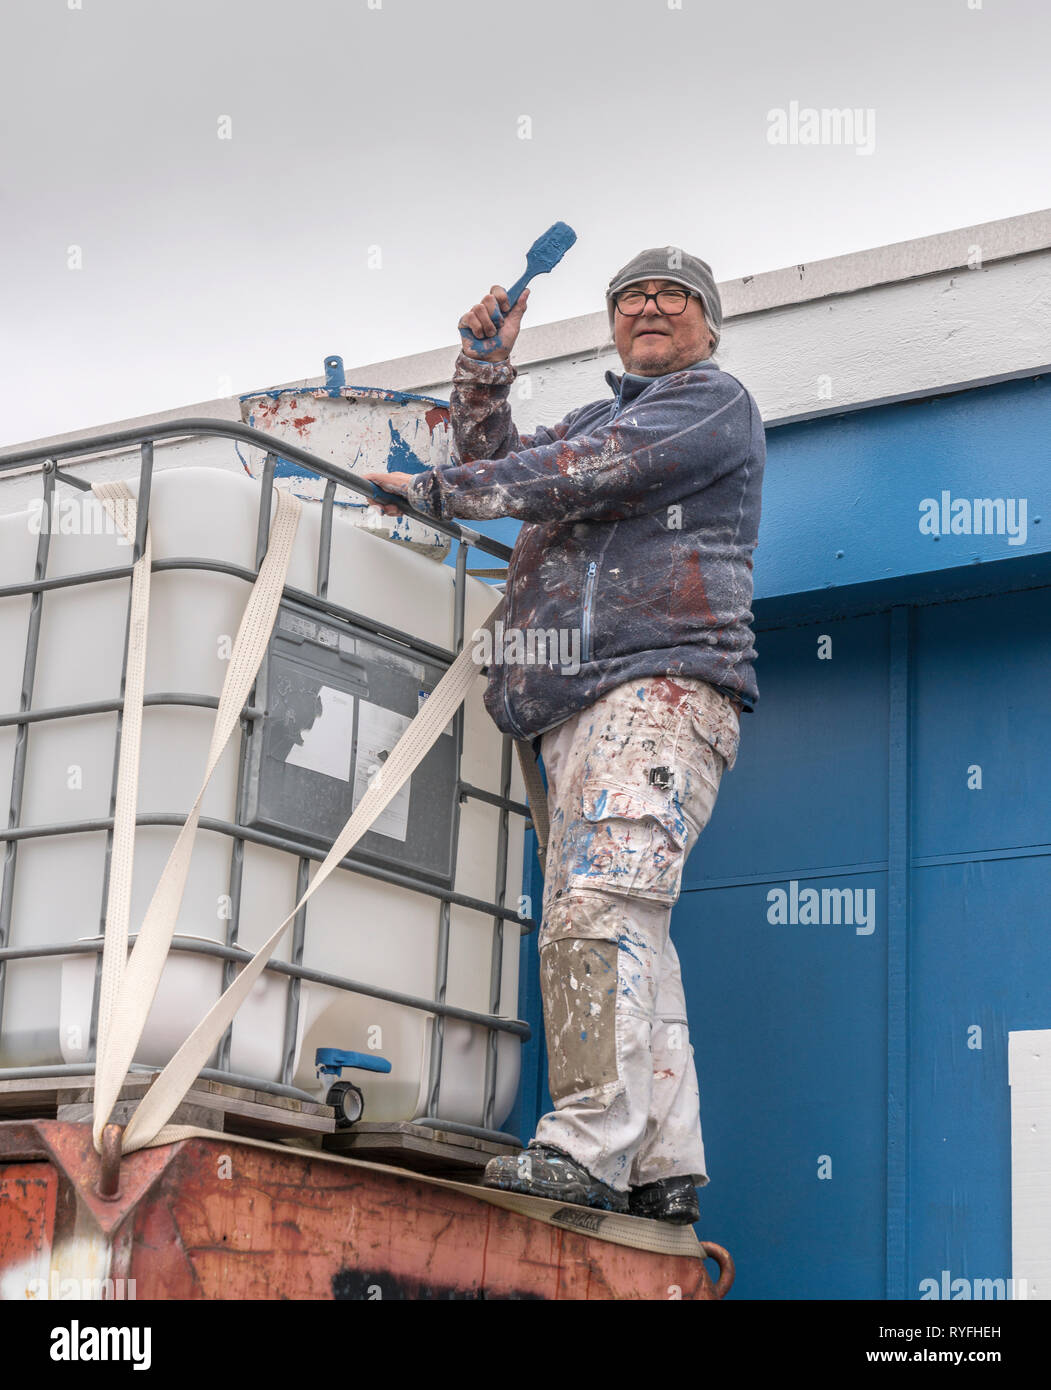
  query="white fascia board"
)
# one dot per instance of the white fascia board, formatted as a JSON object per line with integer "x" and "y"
{"x": 945, "y": 332}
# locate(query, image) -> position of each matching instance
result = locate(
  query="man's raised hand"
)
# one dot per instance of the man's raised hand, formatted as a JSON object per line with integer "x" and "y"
{"x": 478, "y": 324}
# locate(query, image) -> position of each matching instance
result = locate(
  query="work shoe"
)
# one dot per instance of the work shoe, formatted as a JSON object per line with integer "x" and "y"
{"x": 543, "y": 1171}
{"x": 671, "y": 1199}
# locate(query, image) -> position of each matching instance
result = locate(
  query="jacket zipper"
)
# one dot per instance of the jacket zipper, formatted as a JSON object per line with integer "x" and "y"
{"x": 585, "y": 621}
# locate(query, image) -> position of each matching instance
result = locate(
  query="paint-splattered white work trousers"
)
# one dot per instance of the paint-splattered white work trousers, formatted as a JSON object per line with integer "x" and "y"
{"x": 632, "y": 781}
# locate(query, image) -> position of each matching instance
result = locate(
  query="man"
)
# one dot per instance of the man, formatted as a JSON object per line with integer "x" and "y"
{"x": 641, "y": 515}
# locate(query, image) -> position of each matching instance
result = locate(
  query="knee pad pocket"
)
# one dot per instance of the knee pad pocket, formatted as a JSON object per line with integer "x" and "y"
{"x": 578, "y": 985}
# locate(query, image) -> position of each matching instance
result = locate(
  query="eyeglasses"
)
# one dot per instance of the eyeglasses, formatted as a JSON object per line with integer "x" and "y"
{"x": 632, "y": 302}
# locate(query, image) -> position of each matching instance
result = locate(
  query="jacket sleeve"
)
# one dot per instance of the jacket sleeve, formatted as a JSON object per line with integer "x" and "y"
{"x": 682, "y": 437}
{"x": 480, "y": 413}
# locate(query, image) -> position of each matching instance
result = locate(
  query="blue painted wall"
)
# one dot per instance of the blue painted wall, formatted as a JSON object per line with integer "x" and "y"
{"x": 815, "y": 1040}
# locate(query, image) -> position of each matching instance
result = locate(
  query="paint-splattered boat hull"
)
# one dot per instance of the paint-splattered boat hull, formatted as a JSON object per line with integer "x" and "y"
{"x": 362, "y": 429}
{"x": 212, "y": 1218}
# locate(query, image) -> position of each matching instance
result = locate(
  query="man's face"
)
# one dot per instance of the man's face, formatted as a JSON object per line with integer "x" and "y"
{"x": 652, "y": 343}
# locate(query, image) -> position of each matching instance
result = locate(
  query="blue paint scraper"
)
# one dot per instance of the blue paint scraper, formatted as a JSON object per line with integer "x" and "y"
{"x": 544, "y": 254}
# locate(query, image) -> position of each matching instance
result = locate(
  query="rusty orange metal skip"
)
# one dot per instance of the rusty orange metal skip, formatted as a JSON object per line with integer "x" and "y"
{"x": 214, "y": 1217}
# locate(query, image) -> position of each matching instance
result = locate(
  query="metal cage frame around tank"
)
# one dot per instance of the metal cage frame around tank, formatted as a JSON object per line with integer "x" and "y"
{"x": 251, "y": 718}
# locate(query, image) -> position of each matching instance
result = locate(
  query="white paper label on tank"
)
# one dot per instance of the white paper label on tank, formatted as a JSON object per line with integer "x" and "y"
{"x": 378, "y": 731}
{"x": 326, "y": 745}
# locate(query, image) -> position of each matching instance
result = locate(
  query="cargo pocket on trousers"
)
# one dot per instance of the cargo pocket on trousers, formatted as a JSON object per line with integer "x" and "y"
{"x": 700, "y": 770}
{"x": 631, "y": 843}
{"x": 715, "y": 720}
{"x": 578, "y": 986}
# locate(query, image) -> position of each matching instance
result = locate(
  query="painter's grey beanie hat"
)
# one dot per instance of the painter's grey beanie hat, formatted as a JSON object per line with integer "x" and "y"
{"x": 672, "y": 263}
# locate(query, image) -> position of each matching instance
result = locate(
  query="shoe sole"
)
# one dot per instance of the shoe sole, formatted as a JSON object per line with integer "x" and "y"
{"x": 673, "y": 1219}
{"x": 577, "y": 1197}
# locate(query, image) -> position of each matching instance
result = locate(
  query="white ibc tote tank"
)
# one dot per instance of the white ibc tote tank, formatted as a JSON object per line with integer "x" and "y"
{"x": 337, "y": 696}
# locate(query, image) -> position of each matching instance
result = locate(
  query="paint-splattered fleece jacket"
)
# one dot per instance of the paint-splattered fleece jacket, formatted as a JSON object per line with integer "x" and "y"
{"x": 641, "y": 516}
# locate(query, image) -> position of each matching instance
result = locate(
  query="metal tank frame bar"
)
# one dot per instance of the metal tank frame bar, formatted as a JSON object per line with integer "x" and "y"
{"x": 145, "y": 438}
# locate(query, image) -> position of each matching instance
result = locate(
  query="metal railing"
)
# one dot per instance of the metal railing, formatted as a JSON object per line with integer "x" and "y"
{"x": 251, "y": 727}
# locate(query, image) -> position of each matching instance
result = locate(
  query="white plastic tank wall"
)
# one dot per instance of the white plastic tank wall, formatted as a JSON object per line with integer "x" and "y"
{"x": 357, "y": 927}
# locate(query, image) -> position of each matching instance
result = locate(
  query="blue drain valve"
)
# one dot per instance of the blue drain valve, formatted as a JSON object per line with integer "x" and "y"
{"x": 345, "y": 1098}
{"x": 332, "y": 1060}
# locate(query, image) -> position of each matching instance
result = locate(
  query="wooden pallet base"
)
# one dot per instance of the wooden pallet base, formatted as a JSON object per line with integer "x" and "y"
{"x": 258, "y": 1114}
{"x": 422, "y": 1149}
{"x": 207, "y": 1105}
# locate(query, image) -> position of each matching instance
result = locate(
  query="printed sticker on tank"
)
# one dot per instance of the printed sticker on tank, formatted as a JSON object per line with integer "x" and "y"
{"x": 326, "y": 744}
{"x": 378, "y": 731}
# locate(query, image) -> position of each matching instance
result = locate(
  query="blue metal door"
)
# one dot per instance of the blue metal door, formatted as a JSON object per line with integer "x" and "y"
{"x": 856, "y": 1124}
{"x": 865, "y": 919}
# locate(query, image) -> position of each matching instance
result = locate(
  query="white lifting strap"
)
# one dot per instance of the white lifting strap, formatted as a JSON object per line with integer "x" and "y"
{"x": 536, "y": 796}
{"x": 128, "y": 989}
{"x": 133, "y": 984}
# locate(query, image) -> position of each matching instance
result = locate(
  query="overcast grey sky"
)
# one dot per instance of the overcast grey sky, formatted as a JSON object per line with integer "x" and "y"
{"x": 392, "y": 131}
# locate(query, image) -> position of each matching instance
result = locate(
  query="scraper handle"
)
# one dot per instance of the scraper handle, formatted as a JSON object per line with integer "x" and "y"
{"x": 382, "y": 495}
{"x": 544, "y": 254}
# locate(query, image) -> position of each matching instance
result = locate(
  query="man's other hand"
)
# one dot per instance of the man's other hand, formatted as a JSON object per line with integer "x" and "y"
{"x": 478, "y": 323}
{"x": 389, "y": 482}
